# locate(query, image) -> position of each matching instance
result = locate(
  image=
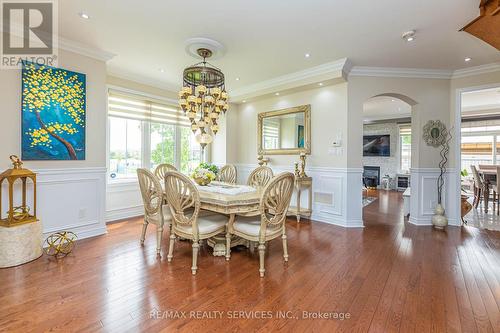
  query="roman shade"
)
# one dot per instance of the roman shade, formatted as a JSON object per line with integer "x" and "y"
{"x": 130, "y": 106}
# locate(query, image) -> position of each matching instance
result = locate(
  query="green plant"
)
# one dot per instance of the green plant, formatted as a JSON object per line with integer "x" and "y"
{"x": 464, "y": 173}
{"x": 209, "y": 166}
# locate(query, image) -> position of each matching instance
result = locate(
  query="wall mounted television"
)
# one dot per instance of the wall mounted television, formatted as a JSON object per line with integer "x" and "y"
{"x": 377, "y": 145}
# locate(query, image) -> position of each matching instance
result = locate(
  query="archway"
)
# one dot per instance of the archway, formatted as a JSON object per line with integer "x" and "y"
{"x": 390, "y": 149}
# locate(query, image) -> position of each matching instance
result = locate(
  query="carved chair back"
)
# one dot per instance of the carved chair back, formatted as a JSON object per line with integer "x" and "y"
{"x": 183, "y": 199}
{"x": 478, "y": 180}
{"x": 151, "y": 192}
{"x": 260, "y": 176}
{"x": 275, "y": 201}
{"x": 227, "y": 174}
{"x": 162, "y": 169}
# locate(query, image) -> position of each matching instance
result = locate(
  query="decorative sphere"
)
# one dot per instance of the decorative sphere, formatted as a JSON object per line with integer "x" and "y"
{"x": 60, "y": 244}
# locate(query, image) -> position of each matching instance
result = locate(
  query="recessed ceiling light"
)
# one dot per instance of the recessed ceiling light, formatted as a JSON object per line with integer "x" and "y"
{"x": 244, "y": 101}
{"x": 320, "y": 84}
{"x": 467, "y": 59}
{"x": 84, "y": 15}
{"x": 237, "y": 79}
{"x": 409, "y": 36}
{"x": 307, "y": 55}
{"x": 162, "y": 70}
{"x": 393, "y": 100}
{"x": 277, "y": 94}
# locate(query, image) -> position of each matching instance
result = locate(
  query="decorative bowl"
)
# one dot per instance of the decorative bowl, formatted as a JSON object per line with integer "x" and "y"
{"x": 202, "y": 181}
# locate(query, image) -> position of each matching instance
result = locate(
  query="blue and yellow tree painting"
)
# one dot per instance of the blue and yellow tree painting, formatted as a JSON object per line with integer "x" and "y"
{"x": 53, "y": 112}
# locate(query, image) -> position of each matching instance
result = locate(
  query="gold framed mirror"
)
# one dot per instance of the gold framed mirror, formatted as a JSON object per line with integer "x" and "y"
{"x": 284, "y": 132}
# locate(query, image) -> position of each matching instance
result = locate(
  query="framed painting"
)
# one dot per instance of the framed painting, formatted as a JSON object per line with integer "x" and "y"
{"x": 53, "y": 113}
{"x": 300, "y": 136}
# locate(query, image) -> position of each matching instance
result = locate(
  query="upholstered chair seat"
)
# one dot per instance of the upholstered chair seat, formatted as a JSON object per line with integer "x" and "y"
{"x": 167, "y": 217}
{"x": 208, "y": 223}
{"x": 251, "y": 226}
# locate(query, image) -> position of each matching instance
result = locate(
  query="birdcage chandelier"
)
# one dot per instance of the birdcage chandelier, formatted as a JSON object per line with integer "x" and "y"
{"x": 203, "y": 98}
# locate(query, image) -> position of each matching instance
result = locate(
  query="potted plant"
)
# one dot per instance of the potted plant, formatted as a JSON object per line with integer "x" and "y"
{"x": 204, "y": 174}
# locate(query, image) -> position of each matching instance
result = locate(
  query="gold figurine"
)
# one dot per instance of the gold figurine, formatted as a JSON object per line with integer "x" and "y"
{"x": 296, "y": 169}
{"x": 302, "y": 165}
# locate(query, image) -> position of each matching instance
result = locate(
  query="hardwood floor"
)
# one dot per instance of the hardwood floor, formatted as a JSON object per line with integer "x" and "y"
{"x": 388, "y": 277}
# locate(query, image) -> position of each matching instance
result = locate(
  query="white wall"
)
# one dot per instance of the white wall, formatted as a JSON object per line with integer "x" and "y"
{"x": 336, "y": 189}
{"x": 70, "y": 193}
{"x": 328, "y": 120}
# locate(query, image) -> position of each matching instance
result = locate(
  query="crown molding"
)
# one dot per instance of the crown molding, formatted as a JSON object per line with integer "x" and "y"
{"x": 85, "y": 50}
{"x": 143, "y": 80}
{"x": 420, "y": 73}
{"x": 394, "y": 72}
{"x": 476, "y": 70}
{"x": 330, "y": 70}
{"x": 341, "y": 69}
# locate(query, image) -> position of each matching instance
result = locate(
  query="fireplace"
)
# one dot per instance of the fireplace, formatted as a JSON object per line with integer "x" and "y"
{"x": 371, "y": 176}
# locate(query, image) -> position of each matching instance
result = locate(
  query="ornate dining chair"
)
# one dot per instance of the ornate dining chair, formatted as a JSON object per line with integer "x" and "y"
{"x": 479, "y": 186}
{"x": 260, "y": 176}
{"x": 155, "y": 212}
{"x": 162, "y": 169}
{"x": 494, "y": 186}
{"x": 227, "y": 174}
{"x": 184, "y": 201}
{"x": 270, "y": 224}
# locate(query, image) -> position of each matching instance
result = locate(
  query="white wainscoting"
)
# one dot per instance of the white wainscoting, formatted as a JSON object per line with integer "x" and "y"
{"x": 336, "y": 193}
{"x": 123, "y": 200}
{"x": 71, "y": 199}
{"x": 424, "y": 196}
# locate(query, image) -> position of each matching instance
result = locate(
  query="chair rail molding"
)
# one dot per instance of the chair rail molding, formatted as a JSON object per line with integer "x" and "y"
{"x": 123, "y": 200}
{"x": 335, "y": 200}
{"x": 424, "y": 196}
{"x": 71, "y": 199}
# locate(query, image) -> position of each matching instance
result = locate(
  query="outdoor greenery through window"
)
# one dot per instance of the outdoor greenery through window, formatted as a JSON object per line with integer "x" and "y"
{"x": 405, "y": 148}
{"x": 145, "y": 133}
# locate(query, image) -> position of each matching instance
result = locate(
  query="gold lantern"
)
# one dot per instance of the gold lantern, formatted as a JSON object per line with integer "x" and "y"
{"x": 17, "y": 215}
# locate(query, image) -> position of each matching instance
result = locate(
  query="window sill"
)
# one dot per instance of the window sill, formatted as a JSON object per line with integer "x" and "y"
{"x": 121, "y": 182}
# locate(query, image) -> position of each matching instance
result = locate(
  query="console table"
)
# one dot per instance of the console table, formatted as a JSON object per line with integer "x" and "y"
{"x": 300, "y": 184}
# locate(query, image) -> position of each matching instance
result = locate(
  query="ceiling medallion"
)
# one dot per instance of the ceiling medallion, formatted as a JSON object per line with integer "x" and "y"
{"x": 203, "y": 98}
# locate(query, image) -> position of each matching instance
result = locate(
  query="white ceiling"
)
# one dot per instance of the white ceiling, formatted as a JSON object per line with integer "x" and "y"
{"x": 383, "y": 107}
{"x": 265, "y": 39}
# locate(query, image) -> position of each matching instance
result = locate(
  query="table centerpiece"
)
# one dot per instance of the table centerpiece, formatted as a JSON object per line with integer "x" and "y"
{"x": 204, "y": 174}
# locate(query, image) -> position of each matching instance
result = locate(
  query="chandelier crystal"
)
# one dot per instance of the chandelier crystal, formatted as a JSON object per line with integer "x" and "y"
{"x": 203, "y": 98}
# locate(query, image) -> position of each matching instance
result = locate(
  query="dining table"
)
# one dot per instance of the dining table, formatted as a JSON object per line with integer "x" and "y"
{"x": 230, "y": 200}
{"x": 489, "y": 176}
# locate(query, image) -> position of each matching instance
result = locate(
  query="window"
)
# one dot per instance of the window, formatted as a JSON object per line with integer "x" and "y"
{"x": 271, "y": 133}
{"x": 124, "y": 147}
{"x": 480, "y": 143}
{"x": 145, "y": 133}
{"x": 405, "y": 148}
{"x": 163, "y": 144}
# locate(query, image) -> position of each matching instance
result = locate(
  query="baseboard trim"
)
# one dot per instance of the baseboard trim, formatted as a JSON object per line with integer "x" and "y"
{"x": 420, "y": 222}
{"x": 123, "y": 213}
{"x": 338, "y": 221}
{"x": 85, "y": 233}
